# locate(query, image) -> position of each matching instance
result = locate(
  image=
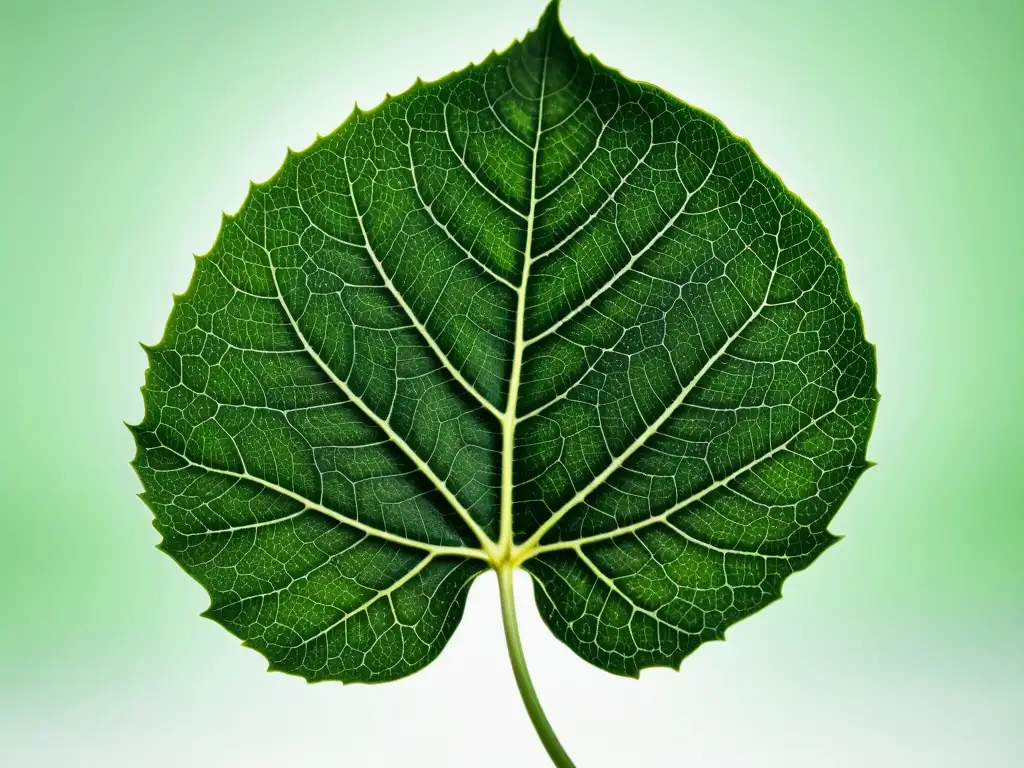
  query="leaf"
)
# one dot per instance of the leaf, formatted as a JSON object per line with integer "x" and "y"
{"x": 533, "y": 314}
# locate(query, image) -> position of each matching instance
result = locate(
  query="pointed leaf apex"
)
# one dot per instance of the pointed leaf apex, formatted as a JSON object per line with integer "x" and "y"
{"x": 549, "y": 28}
{"x": 550, "y": 16}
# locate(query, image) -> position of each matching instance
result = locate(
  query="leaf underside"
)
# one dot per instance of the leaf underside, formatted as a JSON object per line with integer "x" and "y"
{"x": 323, "y": 441}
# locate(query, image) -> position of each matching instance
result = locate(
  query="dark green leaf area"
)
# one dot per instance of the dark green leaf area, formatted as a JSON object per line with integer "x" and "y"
{"x": 315, "y": 596}
{"x": 322, "y": 445}
{"x": 698, "y": 393}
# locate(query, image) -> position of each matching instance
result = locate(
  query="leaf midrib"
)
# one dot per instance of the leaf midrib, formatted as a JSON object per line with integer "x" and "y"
{"x": 506, "y": 545}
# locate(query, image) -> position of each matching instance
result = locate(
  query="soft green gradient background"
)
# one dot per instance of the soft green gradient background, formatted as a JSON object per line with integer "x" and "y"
{"x": 125, "y": 127}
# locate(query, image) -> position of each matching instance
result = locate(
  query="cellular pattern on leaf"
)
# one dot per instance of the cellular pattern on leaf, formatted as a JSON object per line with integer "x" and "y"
{"x": 534, "y": 248}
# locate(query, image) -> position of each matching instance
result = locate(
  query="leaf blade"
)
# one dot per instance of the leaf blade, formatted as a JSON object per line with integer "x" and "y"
{"x": 533, "y": 312}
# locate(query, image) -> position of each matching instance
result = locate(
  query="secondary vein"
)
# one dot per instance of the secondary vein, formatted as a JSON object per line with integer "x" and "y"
{"x": 481, "y": 535}
{"x": 629, "y": 264}
{"x": 651, "y": 430}
{"x": 663, "y": 517}
{"x": 428, "y": 208}
{"x": 309, "y": 504}
{"x": 424, "y": 333}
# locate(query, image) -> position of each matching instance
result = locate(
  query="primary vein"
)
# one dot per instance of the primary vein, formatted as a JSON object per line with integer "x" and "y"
{"x": 508, "y": 427}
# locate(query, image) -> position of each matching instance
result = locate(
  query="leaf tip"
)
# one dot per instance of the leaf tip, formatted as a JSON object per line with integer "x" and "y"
{"x": 549, "y": 30}
{"x": 551, "y": 16}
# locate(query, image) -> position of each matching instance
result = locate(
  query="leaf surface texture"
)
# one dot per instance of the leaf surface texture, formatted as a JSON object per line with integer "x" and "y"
{"x": 533, "y": 291}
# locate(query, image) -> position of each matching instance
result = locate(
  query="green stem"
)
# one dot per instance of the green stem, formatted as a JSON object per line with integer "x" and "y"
{"x": 526, "y": 689}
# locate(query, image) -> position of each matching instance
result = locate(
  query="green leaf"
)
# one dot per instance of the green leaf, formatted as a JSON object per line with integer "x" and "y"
{"x": 533, "y": 314}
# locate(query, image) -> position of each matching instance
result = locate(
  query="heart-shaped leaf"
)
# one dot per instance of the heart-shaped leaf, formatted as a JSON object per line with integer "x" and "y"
{"x": 533, "y": 314}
